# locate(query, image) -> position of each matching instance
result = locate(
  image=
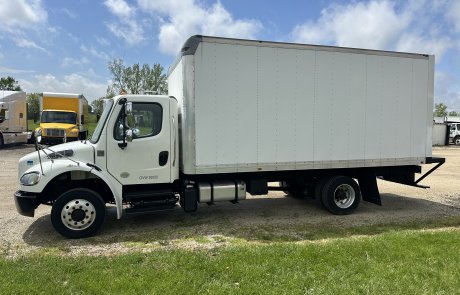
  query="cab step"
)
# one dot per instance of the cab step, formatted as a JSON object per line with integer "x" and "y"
{"x": 148, "y": 209}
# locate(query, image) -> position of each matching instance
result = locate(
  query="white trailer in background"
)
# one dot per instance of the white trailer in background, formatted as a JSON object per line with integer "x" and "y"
{"x": 13, "y": 117}
{"x": 322, "y": 121}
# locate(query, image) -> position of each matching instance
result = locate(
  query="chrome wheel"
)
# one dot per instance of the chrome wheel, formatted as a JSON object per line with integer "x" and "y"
{"x": 78, "y": 214}
{"x": 344, "y": 196}
{"x": 341, "y": 195}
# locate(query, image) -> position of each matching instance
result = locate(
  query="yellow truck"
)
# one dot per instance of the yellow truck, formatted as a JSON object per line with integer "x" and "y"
{"x": 63, "y": 117}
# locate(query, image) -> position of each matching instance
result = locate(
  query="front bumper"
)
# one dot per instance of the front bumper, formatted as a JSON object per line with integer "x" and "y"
{"x": 26, "y": 203}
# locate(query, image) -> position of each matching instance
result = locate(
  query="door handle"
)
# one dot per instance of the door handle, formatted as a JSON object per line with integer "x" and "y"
{"x": 163, "y": 158}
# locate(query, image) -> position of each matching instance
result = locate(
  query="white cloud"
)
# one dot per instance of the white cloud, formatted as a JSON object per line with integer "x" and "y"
{"x": 127, "y": 27}
{"x": 179, "y": 19}
{"x": 94, "y": 52}
{"x": 68, "y": 62}
{"x": 6, "y": 70}
{"x": 120, "y": 8}
{"x": 69, "y": 13}
{"x": 453, "y": 14}
{"x": 378, "y": 24}
{"x": 418, "y": 44}
{"x": 447, "y": 90}
{"x": 374, "y": 24}
{"x": 24, "y": 43}
{"x": 102, "y": 41}
{"x": 128, "y": 30}
{"x": 21, "y": 14}
{"x": 73, "y": 83}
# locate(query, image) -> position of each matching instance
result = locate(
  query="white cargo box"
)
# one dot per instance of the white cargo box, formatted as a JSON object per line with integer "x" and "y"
{"x": 249, "y": 106}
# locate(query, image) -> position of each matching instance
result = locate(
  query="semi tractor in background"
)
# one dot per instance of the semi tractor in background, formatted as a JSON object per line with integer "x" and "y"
{"x": 13, "y": 118}
{"x": 63, "y": 117}
{"x": 322, "y": 121}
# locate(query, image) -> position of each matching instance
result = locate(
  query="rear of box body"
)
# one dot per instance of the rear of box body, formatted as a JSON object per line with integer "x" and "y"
{"x": 248, "y": 106}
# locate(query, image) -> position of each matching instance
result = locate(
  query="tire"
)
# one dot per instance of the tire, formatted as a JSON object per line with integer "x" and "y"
{"x": 341, "y": 195}
{"x": 319, "y": 189}
{"x": 78, "y": 213}
{"x": 2, "y": 143}
{"x": 32, "y": 138}
{"x": 457, "y": 140}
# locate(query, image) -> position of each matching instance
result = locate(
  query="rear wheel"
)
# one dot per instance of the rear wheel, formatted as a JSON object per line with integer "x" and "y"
{"x": 78, "y": 213}
{"x": 1, "y": 141}
{"x": 319, "y": 189}
{"x": 341, "y": 195}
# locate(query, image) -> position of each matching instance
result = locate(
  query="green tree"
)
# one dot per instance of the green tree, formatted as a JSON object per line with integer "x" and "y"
{"x": 453, "y": 113}
{"x": 9, "y": 83}
{"x": 136, "y": 79}
{"x": 33, "y": 106}
{"x": 97, "y": 106}
{"x": 440, "y": 110}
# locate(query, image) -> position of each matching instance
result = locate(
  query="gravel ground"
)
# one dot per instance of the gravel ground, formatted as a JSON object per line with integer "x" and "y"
{"x": 217, "y": 224}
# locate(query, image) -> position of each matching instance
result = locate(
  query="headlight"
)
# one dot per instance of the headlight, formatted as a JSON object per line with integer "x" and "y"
{"x": 31, "y": 178}
{"x": 73, "y": 133}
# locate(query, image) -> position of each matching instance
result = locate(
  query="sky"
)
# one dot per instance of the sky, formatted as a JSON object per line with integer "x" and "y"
{"x": 65, "y": 46}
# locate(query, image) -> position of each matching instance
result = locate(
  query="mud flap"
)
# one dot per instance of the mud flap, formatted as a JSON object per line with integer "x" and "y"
{"x": 369, "y": 189}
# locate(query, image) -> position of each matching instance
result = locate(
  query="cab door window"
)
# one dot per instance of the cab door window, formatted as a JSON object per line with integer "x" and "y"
{"x": 148, "y": 118}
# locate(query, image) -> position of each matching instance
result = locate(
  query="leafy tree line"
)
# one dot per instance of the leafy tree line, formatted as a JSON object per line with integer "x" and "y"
{"x": 134, "y": 79}
{"x": 9, "y": 84}
{"x": 440, "y": 110}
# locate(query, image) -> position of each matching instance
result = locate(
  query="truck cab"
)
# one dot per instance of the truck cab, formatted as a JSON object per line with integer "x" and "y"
{"x": 130, "y": 161}
{"x": 57, "y": 126}
{"x": 13, "y": 118}
{"x": 454, "y": 133}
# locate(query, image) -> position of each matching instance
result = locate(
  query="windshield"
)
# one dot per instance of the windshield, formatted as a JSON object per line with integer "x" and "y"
{"x": 59, "y": 117}
{"x": 100, "y": 125}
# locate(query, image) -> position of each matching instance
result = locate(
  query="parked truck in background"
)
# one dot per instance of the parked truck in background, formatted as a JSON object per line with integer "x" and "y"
{"x": 453, "y": 122}
{"x": 63, "y": 117}
{"x": 322, "y": 121}
{"x": 13, "y": 118}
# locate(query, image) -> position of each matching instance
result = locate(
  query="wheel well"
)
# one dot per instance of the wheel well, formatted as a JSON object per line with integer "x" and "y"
{"x": 75, "y": 179}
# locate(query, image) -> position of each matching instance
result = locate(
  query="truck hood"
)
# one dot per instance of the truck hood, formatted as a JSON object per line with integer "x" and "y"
{"x": 57, "y": 126}
{"x": 80, "y": 151}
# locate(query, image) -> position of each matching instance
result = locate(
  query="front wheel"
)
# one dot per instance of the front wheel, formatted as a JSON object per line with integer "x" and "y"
{"x": 457, "y": 140}
{"x": 341, "y": 195}
{"x": 78, "y": 213}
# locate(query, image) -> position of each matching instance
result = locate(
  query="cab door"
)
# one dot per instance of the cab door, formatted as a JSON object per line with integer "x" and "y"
{"x": 146, "y": 159}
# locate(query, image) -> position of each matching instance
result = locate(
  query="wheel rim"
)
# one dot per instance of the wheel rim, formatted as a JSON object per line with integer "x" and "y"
{"x": 457, "y": 141}
{"x": 344, "y": 196}
{"x": 78, "y": 214}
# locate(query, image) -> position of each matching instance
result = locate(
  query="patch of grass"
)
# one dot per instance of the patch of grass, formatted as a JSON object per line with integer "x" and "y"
{"x": 31, "y": 125}
{"x": 397, "y": 262}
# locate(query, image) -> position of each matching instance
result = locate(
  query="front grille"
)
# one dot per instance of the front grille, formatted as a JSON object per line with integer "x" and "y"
{"x": 54, "y": 132}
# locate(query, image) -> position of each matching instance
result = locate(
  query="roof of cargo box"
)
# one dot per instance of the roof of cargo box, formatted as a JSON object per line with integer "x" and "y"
{"x": 191, "y": 45}
{"x": 63, "y": 95}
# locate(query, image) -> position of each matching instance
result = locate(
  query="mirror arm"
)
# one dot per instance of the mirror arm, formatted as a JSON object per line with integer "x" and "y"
{"x": 123, "y": 144}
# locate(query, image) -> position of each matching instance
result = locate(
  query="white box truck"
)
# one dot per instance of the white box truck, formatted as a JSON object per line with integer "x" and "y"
{"x": 13, "y": 118}
{"x": 322, "y": 121}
